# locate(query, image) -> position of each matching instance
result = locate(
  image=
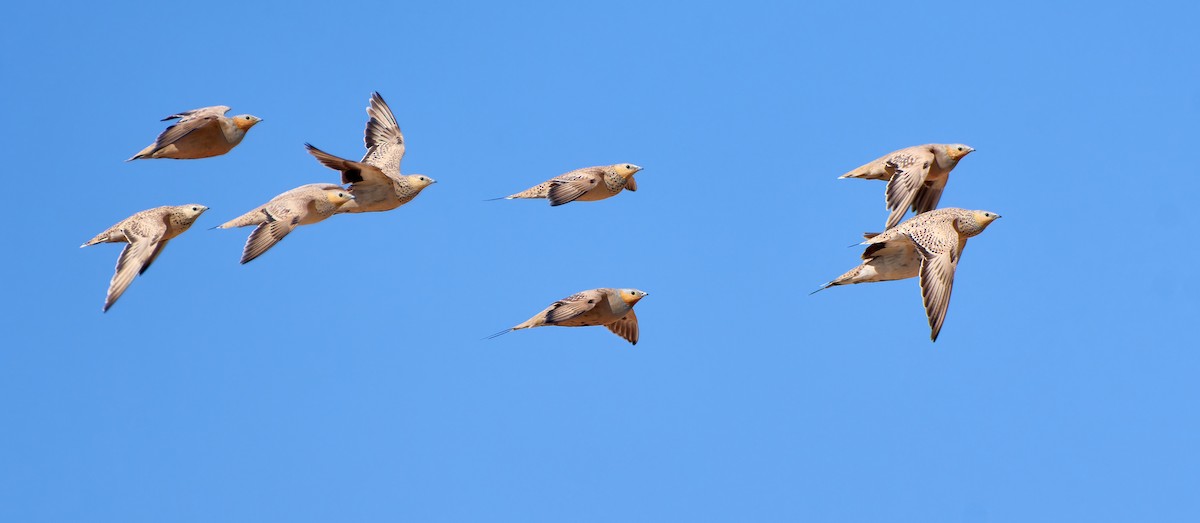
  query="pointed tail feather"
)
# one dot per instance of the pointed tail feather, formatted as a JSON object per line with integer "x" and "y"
{"x": 823, "y": 287}
{"x": 498, "y": 334}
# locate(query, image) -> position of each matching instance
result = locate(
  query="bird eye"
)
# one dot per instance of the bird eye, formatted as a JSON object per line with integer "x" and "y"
{"x": 195, "y": 209}
{"x": 960, "y": 148}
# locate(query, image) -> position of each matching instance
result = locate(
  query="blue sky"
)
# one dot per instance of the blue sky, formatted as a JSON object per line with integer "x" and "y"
{"x": 342, "y": 376}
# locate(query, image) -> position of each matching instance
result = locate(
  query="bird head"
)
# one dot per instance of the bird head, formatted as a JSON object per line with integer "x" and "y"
{"x": 957, "y": 150}
{"x": 192, "y": 210}
{"x": 631, "y": 296}
{"x": 245, "y": 121}
{"x": 420, "y": 181}
{"x": 626, "y": 169}
{"x": 338, "y": 196}
{"x": 984, "y": 218}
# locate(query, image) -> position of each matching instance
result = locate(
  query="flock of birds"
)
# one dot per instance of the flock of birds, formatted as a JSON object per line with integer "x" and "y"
{"x": 930, "y": 243}
{"x": 927, "y": 245}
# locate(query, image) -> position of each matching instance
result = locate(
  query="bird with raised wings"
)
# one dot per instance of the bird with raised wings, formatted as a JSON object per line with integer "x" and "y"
{"x": 916, "y": 176}
{"x": 612, "y": 308}
{"x": 375, "y": 181}
{"x": 586, "y": 185}
{"x": 199, "y": 133}
{"x": 146, "y": 234}
{"x": 927, "y": 245}
{"x": 304, "y": 205}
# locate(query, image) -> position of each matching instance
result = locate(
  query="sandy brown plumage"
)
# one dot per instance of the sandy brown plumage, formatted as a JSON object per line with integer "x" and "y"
{"x": 304, "y": 205}
{"x": 927, "y": 245}
{"x": 612, "y": 308}
{"x": 199, "y": 133}
{"x": 375, "y": 181}
{"x": 146, "y": 233}
{"x": 585, "y": 185}
{"x": 916, "y": 176}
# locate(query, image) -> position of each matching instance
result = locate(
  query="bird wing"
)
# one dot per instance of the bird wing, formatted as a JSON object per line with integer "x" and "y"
{"x": 928, "y": 195}
{"x": 216, "y": 110}
{"x": 940, "y": 252}
{"x": 384, "y": 141}
{"x": 158, "y": 249}
{"x": 630, "y": 184}
{"x": 626, "y": 327}
{"x": 191, "y": 122}
{"x": 572, "y": 306}
{"x": 143, "y": 247}
{"x": 352, "y": 172}
{"x": 570, "y": 186}
{"x": 911, "y": 167}
{"x": 280, "y": 222}
{"x": 900, "y": 245}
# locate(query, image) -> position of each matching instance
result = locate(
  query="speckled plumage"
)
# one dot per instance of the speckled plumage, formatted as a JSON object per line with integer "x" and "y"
{"x": 612, "y": 308}
{"x": 376, "y": 182}
{"x": 304, "y": 205}
{"x": 916, "y": 176}
{"x": 588, "y": 184}
{"x": 927, "y": 245}
{"x": 199, "y": 133}
{"x": 146, "y": 234}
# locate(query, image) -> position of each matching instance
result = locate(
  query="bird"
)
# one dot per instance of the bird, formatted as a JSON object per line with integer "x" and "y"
{"x": 586, "y": 185}
{"x": 199, "y": 133}
{"x": 375, "y": 181}
{"x": 146, "y": 233}
{"x": 916, "y": 176}
{"x": 304, "y": 205}
{"x": 928, "y": 246}
{"x": 612, "y": 308}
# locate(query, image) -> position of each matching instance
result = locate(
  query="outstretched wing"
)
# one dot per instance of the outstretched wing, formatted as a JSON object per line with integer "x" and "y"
{"x": 384, "y": 141}
{"x": 144, "y": 245}
{"x": 626, "y": 327}
{"x": 267, "y": 234}
{"x": 352, "y": 172}
{"x": 911, "y": 168}
{"x": 940, "y": 252}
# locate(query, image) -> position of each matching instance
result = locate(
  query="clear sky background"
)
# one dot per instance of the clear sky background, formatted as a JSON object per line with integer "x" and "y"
{"x": 343, "y": 376}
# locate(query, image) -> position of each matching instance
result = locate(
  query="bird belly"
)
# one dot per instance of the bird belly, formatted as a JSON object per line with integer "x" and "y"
{"x": 599, "y": 192}
{"x": 371, "y": 199}
{"x": 203, "y": 143}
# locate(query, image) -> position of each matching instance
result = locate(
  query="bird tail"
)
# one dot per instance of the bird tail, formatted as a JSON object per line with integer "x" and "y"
{"x": 144, "y": 153}
{"x": 866, "y": 171}
{"x": 541, "y": 190}
{"x": 823, "y": 287}
{"x": 100, "y": 238}
{"x": 498, "y": 334}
